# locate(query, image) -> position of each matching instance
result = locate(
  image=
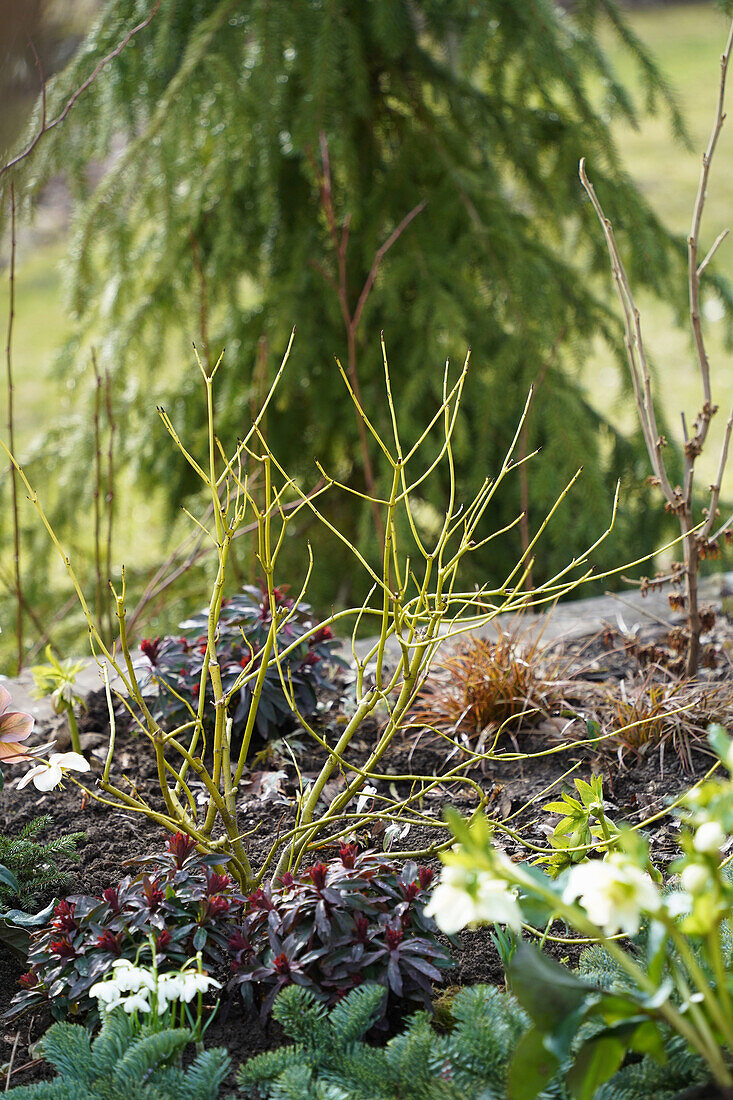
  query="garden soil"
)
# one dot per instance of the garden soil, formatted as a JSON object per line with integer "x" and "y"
{"x": 637, "y": 785}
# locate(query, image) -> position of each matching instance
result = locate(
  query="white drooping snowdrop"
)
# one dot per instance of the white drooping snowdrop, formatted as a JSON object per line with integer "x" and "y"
{"x": 138, "y": 989}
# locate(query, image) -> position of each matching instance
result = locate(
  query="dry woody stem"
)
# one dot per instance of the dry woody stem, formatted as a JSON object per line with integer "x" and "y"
{"x": 699, "y": 540}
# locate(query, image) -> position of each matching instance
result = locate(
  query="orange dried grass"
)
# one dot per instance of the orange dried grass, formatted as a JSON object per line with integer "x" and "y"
{"x": 483, "y": 685}
{"x": 673, "y": 712}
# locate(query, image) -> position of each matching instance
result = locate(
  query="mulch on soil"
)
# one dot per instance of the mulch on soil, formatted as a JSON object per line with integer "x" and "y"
{"x": 636, "y": 785}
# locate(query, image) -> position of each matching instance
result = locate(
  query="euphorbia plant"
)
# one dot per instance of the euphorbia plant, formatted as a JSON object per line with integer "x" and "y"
{"x": 244, "y": 624}
{"x": 415, "y": 602}
{"x": 357, "y": 918}
{"x": 677, "y": 973}
{"x": 177, "y": 906}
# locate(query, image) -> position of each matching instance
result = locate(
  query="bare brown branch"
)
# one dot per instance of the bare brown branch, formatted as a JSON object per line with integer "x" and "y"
{"x": 11, "y": 437}
{"x": 340, "y": 241}
{"x": 696, "y": 538}
{"x": 46, "y": 126}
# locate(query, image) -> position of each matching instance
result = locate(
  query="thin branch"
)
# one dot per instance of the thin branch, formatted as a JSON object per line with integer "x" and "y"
{"x": 163, "y": 579}
{"x": 99, "y": 583}
{"x": 41, "y": 80}
{"x": 695, "y": 537}
{"x": 203, "y": 299}
{"x": 11, "y": 437}
{"x": 340, "y": 242}
{"x": 692, "y": 243}
{"x": 717, "y": 484}
{"x": 379, "y": 256}
{"x": 110, "y": 498}
{"x": 634, "y": 343}
{"x": 46, "y": 127}
{"x": 715, "y": 246}
{"x": 10, "y": 1063}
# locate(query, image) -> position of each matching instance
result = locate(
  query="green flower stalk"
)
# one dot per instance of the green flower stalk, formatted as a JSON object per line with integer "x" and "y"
{"x": 58, "y": 679}
{"x": 679, "y": 978}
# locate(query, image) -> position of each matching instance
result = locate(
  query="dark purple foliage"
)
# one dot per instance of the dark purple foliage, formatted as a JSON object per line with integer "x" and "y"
{"x": 179, "y": 899}
{"x": 357, "y": 918}
{"x": 244, "y": 624}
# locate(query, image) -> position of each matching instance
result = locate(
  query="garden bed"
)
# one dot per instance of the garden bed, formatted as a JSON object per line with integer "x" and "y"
{"x": 595, "y": 671}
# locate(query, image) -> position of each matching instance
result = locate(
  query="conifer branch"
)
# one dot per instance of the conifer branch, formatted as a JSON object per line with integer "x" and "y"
{"x": 47, "y": 126}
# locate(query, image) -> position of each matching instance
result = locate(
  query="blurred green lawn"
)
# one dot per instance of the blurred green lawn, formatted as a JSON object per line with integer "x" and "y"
{"x": 687, "y": 41}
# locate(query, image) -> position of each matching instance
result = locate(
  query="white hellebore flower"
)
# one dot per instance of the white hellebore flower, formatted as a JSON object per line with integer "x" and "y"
{"x": 47, "y": 776}
{"x": 614, "y": 893}
{"x": 464, "y": 897}
{"x": 695, "y": 878}
{"x": 709, "y": 838}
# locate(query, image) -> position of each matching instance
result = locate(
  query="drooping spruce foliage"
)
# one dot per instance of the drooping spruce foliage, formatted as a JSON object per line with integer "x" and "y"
{"x": 210, "y": 222}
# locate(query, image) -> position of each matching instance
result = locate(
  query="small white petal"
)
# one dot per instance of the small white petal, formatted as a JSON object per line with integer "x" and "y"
{"x": 136, "y": 1003}
{"x": 364, "y": 797}
{"x": 73, "y": 761}
{"x": 47, "y": 778}
{"x": 105, "y": 991}
{"x": 30, "y": 775}
{"x": 170, "y": 986}
{"x": 709, "y": 838}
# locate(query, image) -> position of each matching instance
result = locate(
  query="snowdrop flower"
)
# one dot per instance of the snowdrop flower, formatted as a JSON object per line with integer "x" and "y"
{"x": 136, "y": 1002}
{"x": 363, "y": 799}
{"x": 108, "y": 992}
{"x": 185, "y": 984}
{"x": 709, "y": 838}
{"x": 466, "y": 897}
{"x": 613, "y": 892}
{"x": 137, "y": 982}
{"x": 130, "y": 978}
{"x": 47, "y": 776}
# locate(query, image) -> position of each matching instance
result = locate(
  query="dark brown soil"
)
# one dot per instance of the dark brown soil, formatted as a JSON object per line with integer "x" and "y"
{"x": 635, "y": 788}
